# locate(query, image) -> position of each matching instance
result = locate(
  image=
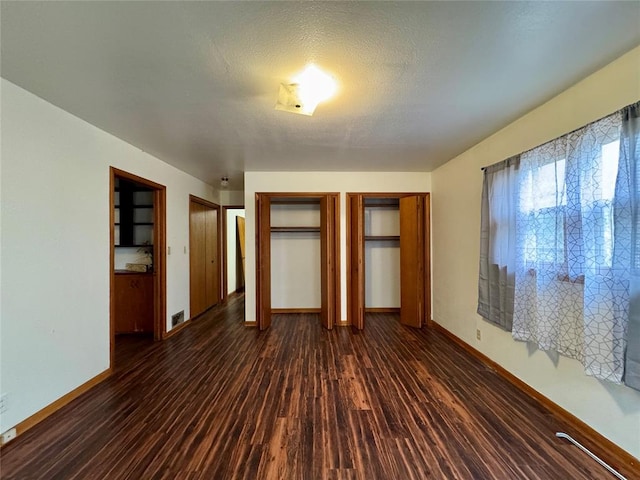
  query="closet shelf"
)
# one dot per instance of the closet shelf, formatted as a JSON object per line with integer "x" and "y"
{"x": 383, "y": 238}
{"x": 295, "y": 229}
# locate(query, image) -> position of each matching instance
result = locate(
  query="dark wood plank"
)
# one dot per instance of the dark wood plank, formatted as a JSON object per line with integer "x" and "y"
{"x": 221, "y": 401}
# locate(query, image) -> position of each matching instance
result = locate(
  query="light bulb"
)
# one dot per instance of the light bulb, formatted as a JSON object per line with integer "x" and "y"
{"x": 314, "y": 86}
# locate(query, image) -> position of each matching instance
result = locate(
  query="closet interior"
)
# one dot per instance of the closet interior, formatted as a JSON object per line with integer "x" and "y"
{"x": 297, "y": 255}
{"x": 388, "y": 263}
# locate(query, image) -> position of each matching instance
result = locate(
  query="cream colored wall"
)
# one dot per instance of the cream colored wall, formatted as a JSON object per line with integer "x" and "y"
{"x": 341, "y": 182}
{"x": 382, "y": 259}
{"x": 612, "y": 410}
{"x": 232, "y": 280}
{"x": 54, "y": 308}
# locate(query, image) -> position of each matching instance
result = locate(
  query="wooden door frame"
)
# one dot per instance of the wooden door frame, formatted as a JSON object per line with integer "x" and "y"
{"x": 215, "y": 206}
{"x": 263, "y": 231}
{"x": 225, "y": 247}
{"x": 427, "y": 245}
{"x": 159, "y": 261}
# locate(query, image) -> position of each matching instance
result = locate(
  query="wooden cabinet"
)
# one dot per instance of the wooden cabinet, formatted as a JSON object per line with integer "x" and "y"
{"x": 133, "y": 302}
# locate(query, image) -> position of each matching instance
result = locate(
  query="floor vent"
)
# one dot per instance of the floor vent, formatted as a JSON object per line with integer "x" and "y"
{"x": 177, "y": 318}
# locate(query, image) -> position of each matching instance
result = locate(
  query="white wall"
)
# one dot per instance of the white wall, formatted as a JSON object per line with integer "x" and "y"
{"x": 54, "y": 312}
{"x": 341, "y": 182}
{"x": 295, "y": 270}
{"x": 231, "y": 197}
{"x": 295, "y": 257}
{"x": 232, "y": 280}
{"x": 382, "y": 258}
{"x": 612, "y": 410}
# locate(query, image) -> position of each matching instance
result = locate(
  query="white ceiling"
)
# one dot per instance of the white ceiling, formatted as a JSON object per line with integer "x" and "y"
{"x": 195, "y": 83}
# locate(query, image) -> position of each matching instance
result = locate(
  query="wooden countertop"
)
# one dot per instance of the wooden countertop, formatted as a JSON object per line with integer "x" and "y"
{"x": 129, "y": 272}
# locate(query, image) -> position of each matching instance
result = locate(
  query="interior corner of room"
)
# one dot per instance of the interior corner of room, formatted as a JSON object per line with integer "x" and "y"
{"x": 106, "y": 243}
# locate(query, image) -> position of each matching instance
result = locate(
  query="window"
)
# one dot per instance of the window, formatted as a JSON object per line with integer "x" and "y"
{"x": 553, "y": 269}
{"x": 558, "y": 216}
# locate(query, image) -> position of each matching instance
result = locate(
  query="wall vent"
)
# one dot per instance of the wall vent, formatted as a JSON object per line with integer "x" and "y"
{"x": 177, "y": 318}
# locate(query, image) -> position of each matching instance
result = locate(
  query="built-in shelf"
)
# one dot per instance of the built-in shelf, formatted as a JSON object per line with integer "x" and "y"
{"x": 388, "y": 206}
{"x": 134, "y": 246}
{"x": 137, "y": 223}
{"x": 383, "y": 238}
{"x": 295, "y": 229}
{"x": 136, "y": 206}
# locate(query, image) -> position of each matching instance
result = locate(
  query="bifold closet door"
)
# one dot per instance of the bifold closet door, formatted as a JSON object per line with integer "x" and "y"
{"x": 356, "y": 262}
{"x": 412, "y": 261}
{"x": 204, "y": 273}
{"x": 263, "y": 261}
{"x": 328, "y": 260}
{"x": 212, "y": 265}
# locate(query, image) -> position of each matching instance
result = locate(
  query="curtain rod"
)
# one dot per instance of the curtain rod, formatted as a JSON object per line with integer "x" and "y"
{"x": 635, "y": 104}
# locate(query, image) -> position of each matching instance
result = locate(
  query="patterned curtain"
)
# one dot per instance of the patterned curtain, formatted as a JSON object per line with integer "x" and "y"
{"x": 567, "y": 293}
{"x": 626, "y": 255}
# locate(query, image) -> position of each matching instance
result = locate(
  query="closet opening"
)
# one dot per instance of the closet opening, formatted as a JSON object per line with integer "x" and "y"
{"x": 388, "y": 257}
{"x": 297, "y": 255}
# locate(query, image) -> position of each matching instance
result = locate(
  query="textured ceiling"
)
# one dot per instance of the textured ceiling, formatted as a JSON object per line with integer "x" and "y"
{"x": 195, "y": 83}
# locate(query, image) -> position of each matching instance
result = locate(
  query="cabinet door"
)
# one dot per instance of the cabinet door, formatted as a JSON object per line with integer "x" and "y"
{"x": 134, "y": 303}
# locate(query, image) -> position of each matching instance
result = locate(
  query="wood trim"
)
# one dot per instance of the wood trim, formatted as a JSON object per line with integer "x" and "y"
{"x": 382, "y": 310}
{"x": 225, "y": 247}
{"x": 159, "y": 264}
{"x": 112, "y": 263}
{"x": 366, "y": 195}
{"x": 294, "y": 201}
{"x": 251, "y": 323}
{"x": 295, "y": 310}
{"x": 202, "y": 201}
{"x": 176, "y": 329}
{"x": 159, "y": 261}
{"x": 611, "y": 453}
{"x": 427, "y": 259}
{"x": 53, "y": 407}
{"x": 343, "y": 323}
{"x": 298, "y": 195}
{"x": 349, "y": 299}
{"x": 337, "y": 259}
{"x": 135, "y": 178}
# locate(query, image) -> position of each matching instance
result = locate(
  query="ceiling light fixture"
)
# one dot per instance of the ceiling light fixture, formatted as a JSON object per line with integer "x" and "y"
{"x": 224, "y": 182}
{"x": 310, "y": 87}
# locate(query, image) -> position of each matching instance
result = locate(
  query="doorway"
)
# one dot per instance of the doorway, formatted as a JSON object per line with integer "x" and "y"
{"x": 391, "y": 228}
{"x": 233, "y": 219}
{"x": 295, "y": 230}
{"x": 137, "y": 225}
{"x": 204, "y": 255}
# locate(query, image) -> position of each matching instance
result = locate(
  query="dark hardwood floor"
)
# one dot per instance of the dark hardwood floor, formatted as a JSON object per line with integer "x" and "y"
{"x": 219, "y": 400}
